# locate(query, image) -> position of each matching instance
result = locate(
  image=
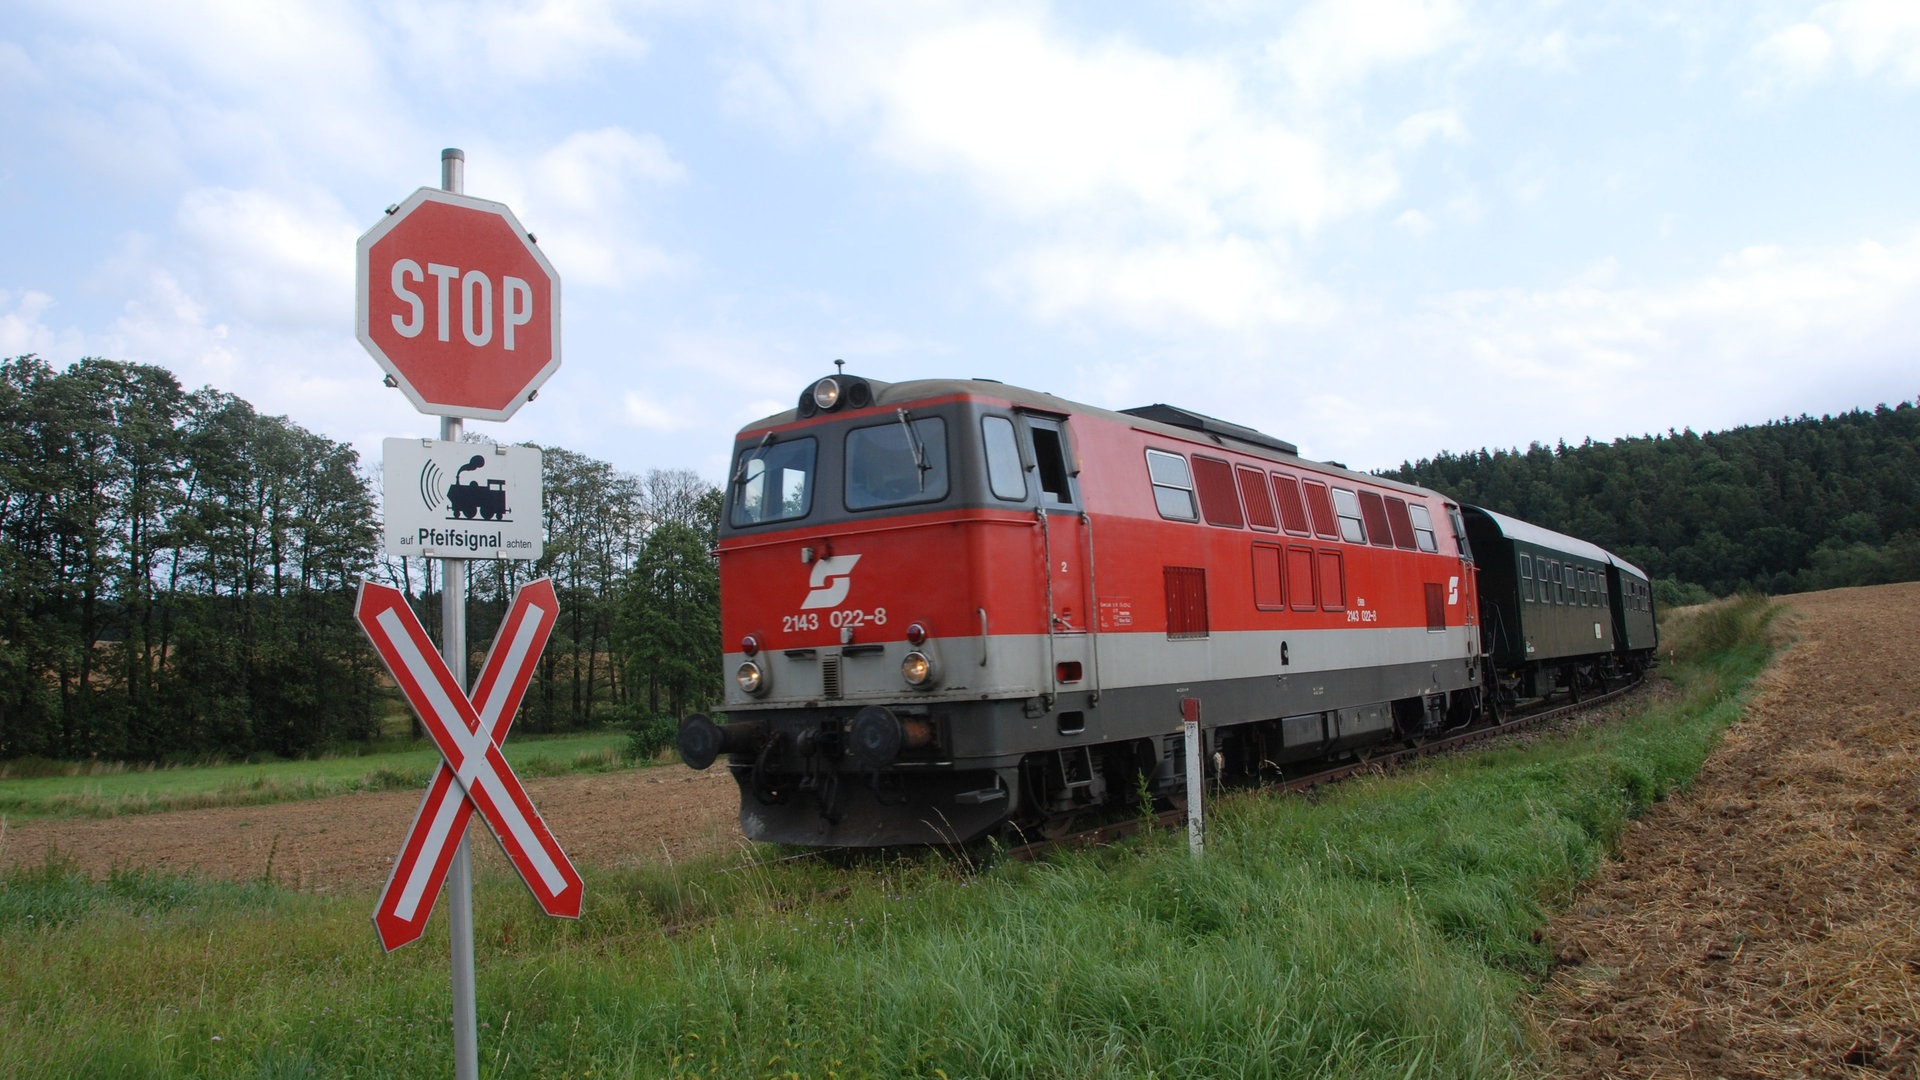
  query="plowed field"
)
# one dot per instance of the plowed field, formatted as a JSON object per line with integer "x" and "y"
{"x": 1766, "y": 922}
{"x": 349, "y": 842}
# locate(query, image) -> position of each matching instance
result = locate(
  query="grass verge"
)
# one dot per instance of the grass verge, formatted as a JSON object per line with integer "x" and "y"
{"x": 1383, "y": 930}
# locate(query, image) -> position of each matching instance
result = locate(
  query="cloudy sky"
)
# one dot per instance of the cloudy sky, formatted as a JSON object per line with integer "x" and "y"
{"x": 1378, "y": 228}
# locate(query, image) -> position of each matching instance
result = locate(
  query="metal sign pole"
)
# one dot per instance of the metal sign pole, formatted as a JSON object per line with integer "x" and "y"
{"x": 453, "y": 646}
{"x": 1196, "y": 780}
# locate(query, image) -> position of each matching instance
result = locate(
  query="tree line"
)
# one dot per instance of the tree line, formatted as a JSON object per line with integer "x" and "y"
{"x": 1788, "y": 506}
{"x": 177, "y": 575}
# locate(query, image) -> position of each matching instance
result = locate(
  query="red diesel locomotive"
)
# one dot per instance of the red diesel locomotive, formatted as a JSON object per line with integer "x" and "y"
{"x": 951, "y": 604}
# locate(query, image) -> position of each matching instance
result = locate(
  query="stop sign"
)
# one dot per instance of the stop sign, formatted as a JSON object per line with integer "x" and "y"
{"x": 458, "y": 305}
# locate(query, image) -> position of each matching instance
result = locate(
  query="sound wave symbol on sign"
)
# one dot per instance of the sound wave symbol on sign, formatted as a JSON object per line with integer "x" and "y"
{"x": 432, "y": 482}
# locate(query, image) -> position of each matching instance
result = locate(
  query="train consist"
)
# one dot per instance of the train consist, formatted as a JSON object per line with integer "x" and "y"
{"x": 953, "y": 606}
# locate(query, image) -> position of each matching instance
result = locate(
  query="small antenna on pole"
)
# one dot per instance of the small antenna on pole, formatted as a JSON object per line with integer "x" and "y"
{"x": 840, "y": 365}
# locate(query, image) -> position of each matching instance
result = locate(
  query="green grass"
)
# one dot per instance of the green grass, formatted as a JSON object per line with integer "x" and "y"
{"x": 1383, "y": 930}
{"x": 113, "y": 789}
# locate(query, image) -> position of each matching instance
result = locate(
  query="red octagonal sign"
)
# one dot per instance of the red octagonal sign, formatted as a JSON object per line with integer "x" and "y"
{"x": 458, "y": 305}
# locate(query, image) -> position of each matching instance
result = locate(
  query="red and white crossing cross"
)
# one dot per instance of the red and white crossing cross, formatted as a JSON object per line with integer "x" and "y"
{"x": 468, "y": 733}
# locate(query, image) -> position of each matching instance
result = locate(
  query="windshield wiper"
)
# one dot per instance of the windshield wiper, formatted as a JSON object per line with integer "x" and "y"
{"x": 919, "y": 451}
{"x": 740, "y": 474}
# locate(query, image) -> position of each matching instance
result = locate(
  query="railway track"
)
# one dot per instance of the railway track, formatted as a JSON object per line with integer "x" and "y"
{"x": 1375, "y": 761}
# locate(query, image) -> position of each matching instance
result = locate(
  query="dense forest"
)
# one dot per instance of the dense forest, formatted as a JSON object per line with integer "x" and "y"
{"x": 1788, "y": 506}
{"x": 177, "y": 576}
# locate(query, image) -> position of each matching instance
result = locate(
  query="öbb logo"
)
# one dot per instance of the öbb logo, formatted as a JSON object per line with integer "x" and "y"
{"x": 832, "y": 577}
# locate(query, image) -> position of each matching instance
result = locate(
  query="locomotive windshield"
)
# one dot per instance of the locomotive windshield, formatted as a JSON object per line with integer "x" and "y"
{"x": 902, "y": 461}
{"x": 774, "y": 482}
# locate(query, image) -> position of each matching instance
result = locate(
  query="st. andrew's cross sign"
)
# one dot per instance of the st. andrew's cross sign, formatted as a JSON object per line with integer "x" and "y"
{"x": 475, "y": 774}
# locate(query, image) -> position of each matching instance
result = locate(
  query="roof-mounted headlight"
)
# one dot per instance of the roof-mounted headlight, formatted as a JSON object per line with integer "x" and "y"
{"x": 834, "y": 392}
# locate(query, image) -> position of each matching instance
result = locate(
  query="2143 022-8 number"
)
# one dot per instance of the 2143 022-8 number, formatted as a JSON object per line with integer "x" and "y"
{"x": 854, "y": 617}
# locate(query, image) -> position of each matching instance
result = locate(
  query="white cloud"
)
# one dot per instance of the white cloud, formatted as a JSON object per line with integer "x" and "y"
{"x": 1149, "y": 186}
{"x": 1870, "y": 37}
{"x": 271, "y": 259}
{"x": 1227, "y": 284}
{"x": 1337, "y": 43}
{"x": 23, "y": 328}
{"x": 492, "y": 46}
{"x": 1420, "y": 128}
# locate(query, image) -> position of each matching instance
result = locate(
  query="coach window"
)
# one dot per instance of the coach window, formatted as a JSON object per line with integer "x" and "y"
{"x": 1573, "y": 597}
{"x": 1172, "y": 486}
{"x": 1347, "y": 505}
{"x": 1423, "y": 529}
{"x": 773, "y": 482}
{"x": 1213, "y": 479}
{"x": 1526, "y": 577}
{"x": 1253, "y": 491}
{"x": 901, "y": 461}
{"x": 1005, "y": 475}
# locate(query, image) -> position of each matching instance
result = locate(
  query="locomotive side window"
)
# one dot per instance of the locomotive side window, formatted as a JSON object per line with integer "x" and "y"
{"x": 1253, "y": 490}
{"x": 1400, "y": 521}
{"x": 901, "y": 461}
{"x": 1423, "y": 537}
{"x": 1293, "y": 513}
{"x": 1268, "y": 578}
{"x": 1373, "y": 510}
{"x": 1317, "y": 501}
{"x": 1005, "y": 475}
{"x": 1213, "y": 479}
{"x": 1526, "y": 577}
{"x": 1347, "y": 505}
{"x": 1172, "y": 486}
{"x": 773, "y": 482}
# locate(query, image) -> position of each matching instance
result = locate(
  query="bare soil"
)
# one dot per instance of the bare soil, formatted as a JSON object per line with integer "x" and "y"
{"x": 656, "y": 814}
{"x": 1766, "y": 922}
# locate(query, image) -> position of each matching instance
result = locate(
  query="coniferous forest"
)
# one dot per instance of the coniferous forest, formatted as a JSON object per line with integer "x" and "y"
{"x": 1788, "y": 506}
{"x": 177, "y": 571}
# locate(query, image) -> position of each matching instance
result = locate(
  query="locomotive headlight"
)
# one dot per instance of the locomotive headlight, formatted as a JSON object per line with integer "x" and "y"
{"x": 826, "y": 393}
{"x": 917, "y": 668}
{"x": 751, "y": 678}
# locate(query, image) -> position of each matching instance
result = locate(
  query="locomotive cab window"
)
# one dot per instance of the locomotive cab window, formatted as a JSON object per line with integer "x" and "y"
{"x": 1172, "y": 486}
{"x": 1049, "y": 440}
{"x": 773, "y": 482}
{"x": 1006, "y": 476}
{"x": 901, "y": 461}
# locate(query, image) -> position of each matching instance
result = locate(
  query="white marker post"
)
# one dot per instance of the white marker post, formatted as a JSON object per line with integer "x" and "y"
{"x": 1196, "y": 780}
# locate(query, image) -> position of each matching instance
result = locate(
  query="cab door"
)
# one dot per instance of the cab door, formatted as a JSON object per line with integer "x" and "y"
{"x": 1065, "y": 545}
